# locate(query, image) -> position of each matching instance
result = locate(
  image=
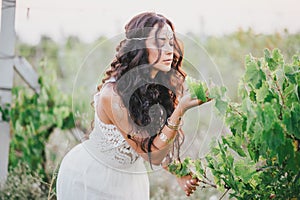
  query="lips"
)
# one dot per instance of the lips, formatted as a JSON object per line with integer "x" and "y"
{"x": 168, "y": 60}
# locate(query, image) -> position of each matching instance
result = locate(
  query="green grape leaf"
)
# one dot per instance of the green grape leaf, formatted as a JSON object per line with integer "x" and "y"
{"x": 180, "y": 169}
{"x": 244, "y": 170}
{"x": 269, "y": 116}
{"x": 253, "y": 75}
{"x": 286, "y": 152}
{"x": 297, "y": 92}
{"x": 198, "y": 166}
{"x": 197, "y": 88}
{"x": 235, "y": 144}
{"x": 291, "y": 120}
{"x": 218, "y": 94}
{"x": 291, "y": 73}
{"x": 234, "y": 122}
{"x": 280, "y": 77}
{"x": 274, "y": 60}
{"x": 274, "y": 137}
{"x": 221, "y": 106}
{"x": 295, "y": 119}
{"x": 262, "y": 92}
{"x": 289, "y": 91}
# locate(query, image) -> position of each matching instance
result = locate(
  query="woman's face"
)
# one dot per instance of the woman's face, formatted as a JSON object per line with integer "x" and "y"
{"x": 165, "y": 41}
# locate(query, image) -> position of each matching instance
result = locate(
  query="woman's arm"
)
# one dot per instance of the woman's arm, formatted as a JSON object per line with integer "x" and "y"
{"x": 115, "y": 113}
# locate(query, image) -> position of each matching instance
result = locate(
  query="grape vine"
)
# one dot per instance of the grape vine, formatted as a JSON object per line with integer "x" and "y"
{"x": 260, "y": 157}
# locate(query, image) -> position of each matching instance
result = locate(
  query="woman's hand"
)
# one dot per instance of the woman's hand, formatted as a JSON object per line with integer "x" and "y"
{"x": 186, "y": 101}
{"x": 188, "y": 184}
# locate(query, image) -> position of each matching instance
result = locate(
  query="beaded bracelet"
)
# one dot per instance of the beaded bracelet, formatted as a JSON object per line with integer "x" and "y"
{"x": 174, "y": 127}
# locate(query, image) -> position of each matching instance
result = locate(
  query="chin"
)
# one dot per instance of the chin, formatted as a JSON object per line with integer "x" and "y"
{"x": 165, "y": 68}
{"x": 162, "y": 68}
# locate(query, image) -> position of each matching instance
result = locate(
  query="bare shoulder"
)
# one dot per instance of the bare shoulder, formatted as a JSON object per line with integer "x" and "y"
{"x": 108, "y": 92}
{"x": 112, "y": 109}
{"x": 109, "y": 98}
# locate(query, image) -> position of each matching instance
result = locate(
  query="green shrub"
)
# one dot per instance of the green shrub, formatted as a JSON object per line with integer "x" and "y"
{"x": 33, "y": 117}
{"x": 260, "y": 158}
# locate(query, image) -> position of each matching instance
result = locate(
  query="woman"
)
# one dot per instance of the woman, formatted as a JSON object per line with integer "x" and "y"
{"x": 138, "y": 111}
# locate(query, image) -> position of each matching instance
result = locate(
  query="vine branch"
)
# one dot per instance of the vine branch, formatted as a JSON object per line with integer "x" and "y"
{"x": 208, "y": 183}
{"x": 223, "y": 195}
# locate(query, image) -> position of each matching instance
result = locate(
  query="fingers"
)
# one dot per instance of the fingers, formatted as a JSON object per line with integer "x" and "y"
{"x": 199, "y": 102}
{"x": 188, "y": 190}
{"x": 195, "y": 182}
{"x": 209, "y": 99}
{"x": 190, "y": 186}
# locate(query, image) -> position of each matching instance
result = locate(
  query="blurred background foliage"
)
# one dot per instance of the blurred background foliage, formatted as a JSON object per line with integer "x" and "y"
{"x": 47, "y": 125}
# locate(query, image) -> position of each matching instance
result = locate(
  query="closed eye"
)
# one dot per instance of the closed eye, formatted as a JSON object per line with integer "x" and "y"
{"x": 162, "y": 42}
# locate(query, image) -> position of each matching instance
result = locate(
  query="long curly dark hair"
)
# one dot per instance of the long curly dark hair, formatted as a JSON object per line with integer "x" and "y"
{"x": 149, "y": 101}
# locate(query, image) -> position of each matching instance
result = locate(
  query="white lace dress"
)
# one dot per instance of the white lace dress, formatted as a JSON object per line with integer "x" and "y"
{"x": 104, "y": 167}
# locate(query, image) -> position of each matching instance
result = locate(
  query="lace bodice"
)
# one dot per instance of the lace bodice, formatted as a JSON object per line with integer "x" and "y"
{"x": 110, "y": 143}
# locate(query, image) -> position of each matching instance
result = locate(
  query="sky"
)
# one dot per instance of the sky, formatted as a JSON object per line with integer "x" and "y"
{"x": 88, "y": 19}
